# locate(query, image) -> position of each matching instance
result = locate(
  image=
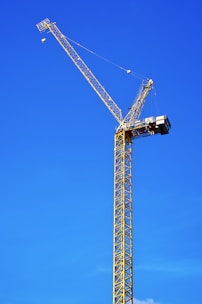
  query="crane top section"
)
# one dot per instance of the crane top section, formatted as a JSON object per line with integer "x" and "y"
{"x": 130, "y": 122}
{"x": 43, "y": 25}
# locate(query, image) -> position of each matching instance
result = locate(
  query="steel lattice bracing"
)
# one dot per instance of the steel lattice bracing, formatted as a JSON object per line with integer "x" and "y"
{"x": 80, "y": 64}
{"x": 122, "y": 251}
{"x": 129, "y": 128}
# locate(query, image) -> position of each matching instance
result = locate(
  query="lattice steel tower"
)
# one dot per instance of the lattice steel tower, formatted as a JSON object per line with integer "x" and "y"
{"x": 129, "y": 128}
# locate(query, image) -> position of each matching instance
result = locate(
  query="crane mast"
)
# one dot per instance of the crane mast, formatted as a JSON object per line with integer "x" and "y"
{"x": 122, "y": 245}
{"x": 129, "y": 128}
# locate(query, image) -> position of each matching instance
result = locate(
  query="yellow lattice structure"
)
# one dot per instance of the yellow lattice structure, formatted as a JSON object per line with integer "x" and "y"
{"x": 122, "y": 253}
{"x": 129, "y": 128}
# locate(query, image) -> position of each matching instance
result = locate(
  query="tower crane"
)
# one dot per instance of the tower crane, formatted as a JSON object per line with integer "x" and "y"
{"x": 129, "y": 128}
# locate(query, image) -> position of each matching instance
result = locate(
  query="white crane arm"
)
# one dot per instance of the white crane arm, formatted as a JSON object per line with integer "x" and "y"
{"x": 86, "y": 72}
{"x": 136, "y": 108}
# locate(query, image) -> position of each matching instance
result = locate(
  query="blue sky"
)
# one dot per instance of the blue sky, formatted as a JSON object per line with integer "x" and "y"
{"x": 56, "y": 156}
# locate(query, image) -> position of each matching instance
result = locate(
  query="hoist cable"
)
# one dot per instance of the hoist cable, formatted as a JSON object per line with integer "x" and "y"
{"x": 128, "y": 71}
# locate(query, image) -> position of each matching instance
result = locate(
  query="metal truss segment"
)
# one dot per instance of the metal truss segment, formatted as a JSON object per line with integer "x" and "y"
{"x": 122, "y": 252}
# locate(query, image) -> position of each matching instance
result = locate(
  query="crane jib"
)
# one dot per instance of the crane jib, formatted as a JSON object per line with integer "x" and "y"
{"x": 80, "y": 64}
